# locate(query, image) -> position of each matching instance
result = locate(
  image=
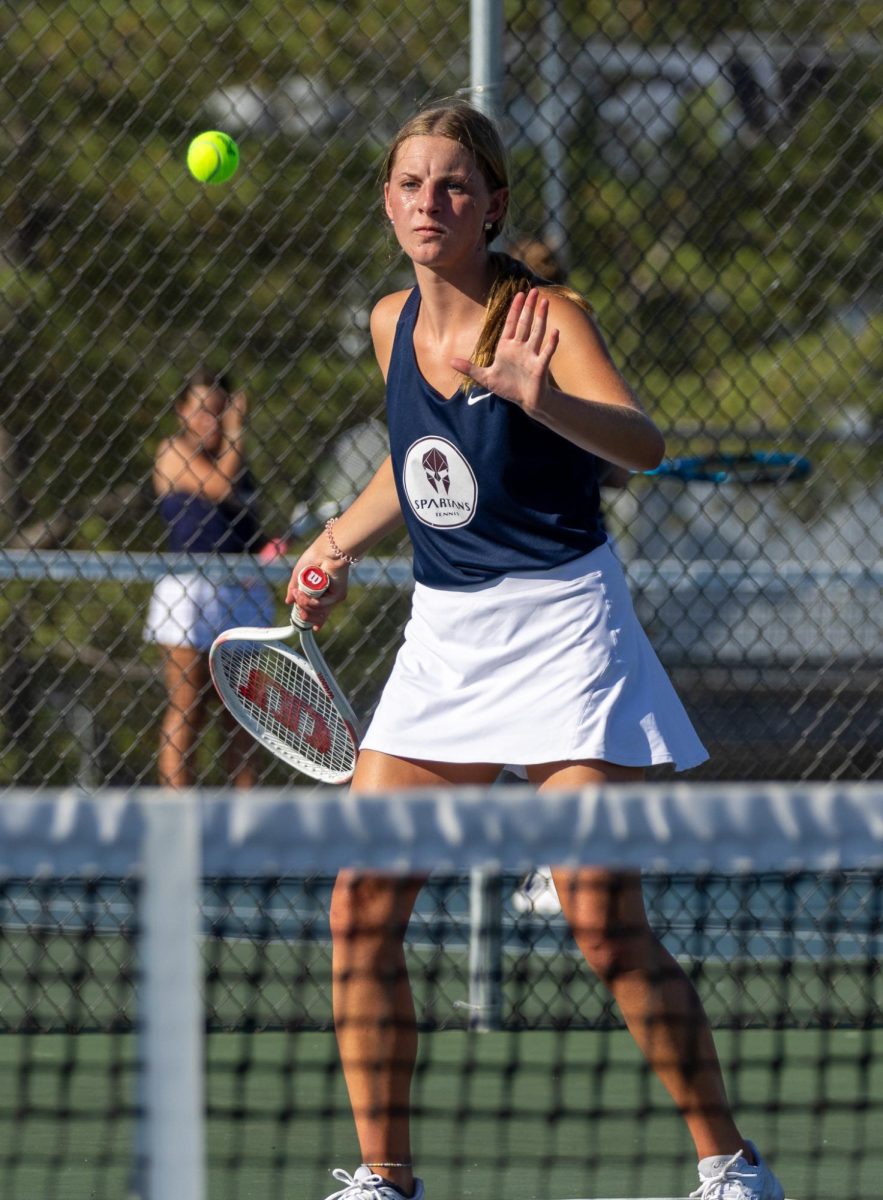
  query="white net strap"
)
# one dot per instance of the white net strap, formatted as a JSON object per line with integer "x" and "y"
{"x": 686, "y": 827}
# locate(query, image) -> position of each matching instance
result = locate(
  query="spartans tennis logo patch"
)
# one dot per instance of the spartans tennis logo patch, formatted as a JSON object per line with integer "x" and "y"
{"x": 439, "y": 484}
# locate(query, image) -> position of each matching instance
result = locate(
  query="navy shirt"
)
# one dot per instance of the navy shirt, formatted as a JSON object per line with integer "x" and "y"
{"x": 197, "y": 525}
{"x": 485, "y": 490}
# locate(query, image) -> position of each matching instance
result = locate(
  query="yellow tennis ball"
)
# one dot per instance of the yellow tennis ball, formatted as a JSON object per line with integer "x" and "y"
{"x": 212, "y": 157}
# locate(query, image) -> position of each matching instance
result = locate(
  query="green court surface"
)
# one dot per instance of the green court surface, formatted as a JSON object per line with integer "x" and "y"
{"x": 287, "y": 984}
{"x": 533, "y": 1116}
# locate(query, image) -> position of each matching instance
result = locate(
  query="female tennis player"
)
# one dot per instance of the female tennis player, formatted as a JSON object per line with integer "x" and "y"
{"x": 522, "y": 646}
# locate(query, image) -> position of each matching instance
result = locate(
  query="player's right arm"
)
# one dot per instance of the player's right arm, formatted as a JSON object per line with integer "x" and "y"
{"x": 384, "y": 319}
{"x": 372, "y": 515}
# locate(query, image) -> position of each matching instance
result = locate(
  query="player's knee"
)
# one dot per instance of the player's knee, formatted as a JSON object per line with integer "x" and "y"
{"x": 614, "y": 952}
{"x": 369, "y": 910}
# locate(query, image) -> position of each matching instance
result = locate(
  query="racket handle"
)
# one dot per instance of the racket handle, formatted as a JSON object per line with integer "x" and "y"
{"x": 314, "y": 581}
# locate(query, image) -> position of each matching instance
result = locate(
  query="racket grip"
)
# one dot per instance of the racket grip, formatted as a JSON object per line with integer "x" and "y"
{"x": 314, "y": 582}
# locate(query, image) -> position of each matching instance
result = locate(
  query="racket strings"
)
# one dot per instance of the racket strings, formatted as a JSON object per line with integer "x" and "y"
{"x": 281, "y": 696}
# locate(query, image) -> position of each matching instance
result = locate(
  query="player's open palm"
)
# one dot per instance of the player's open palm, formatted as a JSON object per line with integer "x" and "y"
{"x": 520, "y": 370}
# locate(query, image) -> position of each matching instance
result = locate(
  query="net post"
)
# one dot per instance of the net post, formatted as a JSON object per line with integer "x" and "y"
{"x": 485, "y": 950}
{"x": 171, "y": 1023}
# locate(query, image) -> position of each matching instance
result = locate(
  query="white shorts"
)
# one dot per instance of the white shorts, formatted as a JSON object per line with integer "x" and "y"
{"x": 190, "y": 610}
{"x": 531, "y": 669}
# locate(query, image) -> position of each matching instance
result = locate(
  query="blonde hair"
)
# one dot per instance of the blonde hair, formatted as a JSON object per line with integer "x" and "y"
{"x": 511, "y": 276}
{"x": 476, "y": 132}
{"x": 471, "y": 129}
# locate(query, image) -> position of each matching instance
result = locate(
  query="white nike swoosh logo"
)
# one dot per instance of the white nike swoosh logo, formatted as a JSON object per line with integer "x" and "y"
{"x": 472, "y": 399}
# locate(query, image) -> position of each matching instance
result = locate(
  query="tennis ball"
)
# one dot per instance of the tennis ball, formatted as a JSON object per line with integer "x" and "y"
{"x": 212, "y": 157}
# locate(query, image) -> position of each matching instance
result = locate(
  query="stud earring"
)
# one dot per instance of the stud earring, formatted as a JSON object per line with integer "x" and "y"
{"x": 488, "y": 225}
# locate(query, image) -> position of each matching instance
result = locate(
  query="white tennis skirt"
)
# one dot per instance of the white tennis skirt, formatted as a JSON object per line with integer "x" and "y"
{"x": 191, "y": 610}
{"x": 530, "y": 669}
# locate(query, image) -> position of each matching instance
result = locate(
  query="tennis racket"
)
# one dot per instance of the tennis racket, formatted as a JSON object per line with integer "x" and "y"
{"x": 288, "y": 702}
{"x": 760, "y": 466}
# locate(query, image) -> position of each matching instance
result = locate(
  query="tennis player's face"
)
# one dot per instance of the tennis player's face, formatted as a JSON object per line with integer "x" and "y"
{"x": 438, "y": 201}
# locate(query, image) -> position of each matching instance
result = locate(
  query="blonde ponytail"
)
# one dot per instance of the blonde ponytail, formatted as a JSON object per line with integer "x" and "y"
{"x": 510, "y": 276}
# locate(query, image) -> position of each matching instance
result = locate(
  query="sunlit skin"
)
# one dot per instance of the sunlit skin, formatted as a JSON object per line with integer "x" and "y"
{"x": 438, "y": 202}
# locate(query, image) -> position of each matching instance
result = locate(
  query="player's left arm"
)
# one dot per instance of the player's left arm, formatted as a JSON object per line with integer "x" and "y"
{"x": 586, "y": 398}
{"x": 552, "y": 362}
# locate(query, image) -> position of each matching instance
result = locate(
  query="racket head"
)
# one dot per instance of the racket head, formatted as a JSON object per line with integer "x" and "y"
{"x": 758, "y": 466}
{"x": 276, "y": 695}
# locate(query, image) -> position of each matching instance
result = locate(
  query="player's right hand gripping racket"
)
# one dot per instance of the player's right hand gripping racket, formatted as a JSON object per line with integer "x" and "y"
{"x": 290, "y": 704}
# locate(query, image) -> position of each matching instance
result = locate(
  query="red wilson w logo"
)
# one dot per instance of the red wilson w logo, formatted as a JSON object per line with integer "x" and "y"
{"x": 314, "y": 577}
{"x": 289, "y": 710}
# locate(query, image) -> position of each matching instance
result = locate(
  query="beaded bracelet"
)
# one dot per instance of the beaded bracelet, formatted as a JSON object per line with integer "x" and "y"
{"x": 336, "y": 551}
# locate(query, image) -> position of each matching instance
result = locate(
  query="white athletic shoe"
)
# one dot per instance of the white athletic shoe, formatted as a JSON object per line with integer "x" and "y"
{"x": 365, "y": 1185}
{"x": 722, "y": 1178}
{"x": 536, "y": 894}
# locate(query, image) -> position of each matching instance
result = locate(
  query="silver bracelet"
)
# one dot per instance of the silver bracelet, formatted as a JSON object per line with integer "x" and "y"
{"x": 404, "y": 1164}
{"x": 336, "y": 552}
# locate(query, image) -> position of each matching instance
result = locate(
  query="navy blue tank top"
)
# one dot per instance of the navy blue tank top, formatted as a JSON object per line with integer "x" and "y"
{"x": 197, "y": 525}
{"x": 485, "y": 490}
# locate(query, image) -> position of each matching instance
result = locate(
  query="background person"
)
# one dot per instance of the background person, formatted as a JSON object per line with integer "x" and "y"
{"x": 207, "y": 500}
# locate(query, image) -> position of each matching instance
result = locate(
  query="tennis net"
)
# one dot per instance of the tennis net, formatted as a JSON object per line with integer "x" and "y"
{"x": 165, "y": 983}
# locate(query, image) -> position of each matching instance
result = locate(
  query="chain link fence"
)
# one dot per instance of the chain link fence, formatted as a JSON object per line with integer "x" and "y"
{"x": 709, "y": 175}
{"x": 267, "y": 954}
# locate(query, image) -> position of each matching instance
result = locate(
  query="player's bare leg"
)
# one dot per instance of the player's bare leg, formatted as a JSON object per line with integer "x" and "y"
{"x": 658, "y": 1002}
{"x": 373, "y": 1007}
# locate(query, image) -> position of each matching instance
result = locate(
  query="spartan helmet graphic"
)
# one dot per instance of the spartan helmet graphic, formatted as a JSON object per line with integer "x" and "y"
{"x": 436, "y": 467}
